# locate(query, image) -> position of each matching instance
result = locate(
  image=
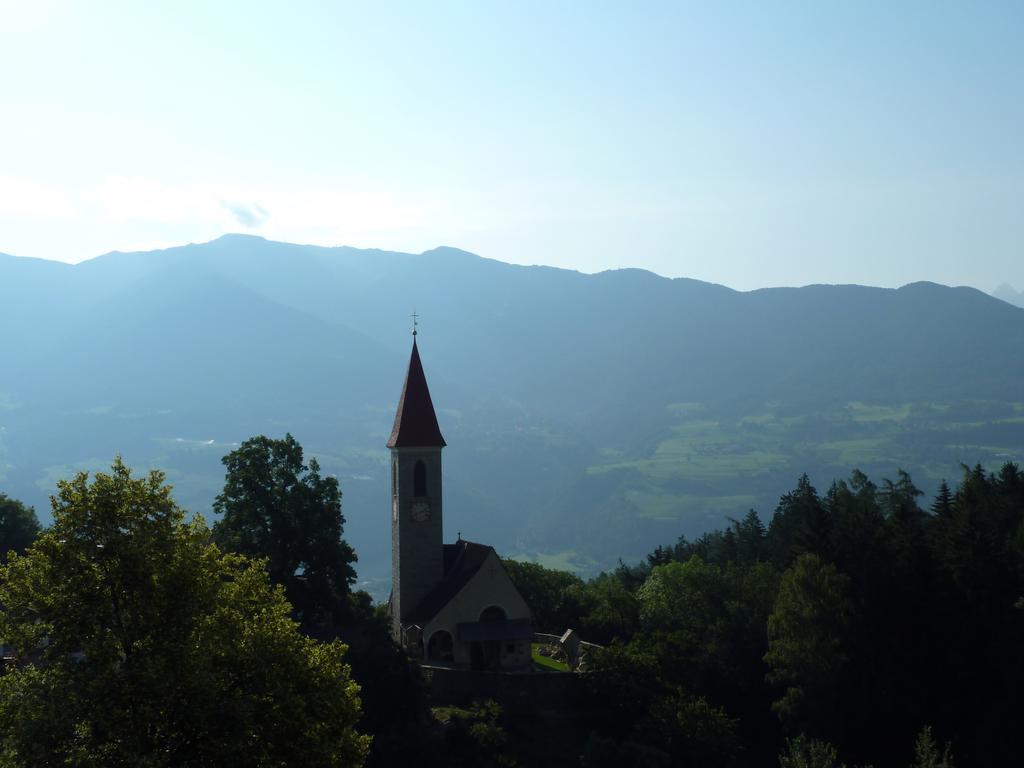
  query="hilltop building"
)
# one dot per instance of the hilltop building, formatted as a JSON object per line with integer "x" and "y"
{"x": 451, "y": 604}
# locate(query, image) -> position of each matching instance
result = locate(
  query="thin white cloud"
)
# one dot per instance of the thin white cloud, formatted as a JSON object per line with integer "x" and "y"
{"x": 248, "y": 215}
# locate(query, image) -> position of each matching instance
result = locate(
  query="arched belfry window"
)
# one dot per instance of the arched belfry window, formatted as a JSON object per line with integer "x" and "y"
{"x": 419, "y": 479}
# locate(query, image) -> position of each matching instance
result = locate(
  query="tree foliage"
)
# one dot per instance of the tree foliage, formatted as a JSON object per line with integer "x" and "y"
{"x": 856, "y": 616}
{"x": 18, "y": 526}
{"x": 393, "y": 692}
{"x": 927, "y": 754}
{"x": 554, "y": 596}
{"x": 805, "y": 650}
{"x": 853, "y": 618}
{"x": 141, "y": 644}
{"x": 693, "y": 731}
{"x": 802, "y": 752}
{"x": 474, "y": 738}
{"x": 277, "y": 507}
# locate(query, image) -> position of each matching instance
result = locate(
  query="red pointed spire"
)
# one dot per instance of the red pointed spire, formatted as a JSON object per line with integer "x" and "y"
{"x": 415, "y": 421}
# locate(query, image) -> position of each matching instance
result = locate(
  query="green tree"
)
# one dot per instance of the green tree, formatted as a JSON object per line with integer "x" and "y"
{"x": 143, "y": 645}
{"x": 627, "y": 679}
{"x": 396, "y": 711}
{"x": 942, "y": 507}
{"x": 474, "y": 737}
{"x": 610, "y": 608}
{"x": 276, "y": 507}
{"x": 971, "y": 549}
{"x": 802, "y": 752}
{"x": 719, "y": 613}
{"x": 926, "y": 752}
{"x": 693, "y": 731}
{"x": 859, "y": 533}
{"x": 906, "y": 524}
{"x": 750, "y": 538}
{"x": 681, "y": 595}
{"x": 804, "y": 641}
{"x": 553, "y": 596}
{"x": 800, "y": 524}
{"x": 18, "y": 526}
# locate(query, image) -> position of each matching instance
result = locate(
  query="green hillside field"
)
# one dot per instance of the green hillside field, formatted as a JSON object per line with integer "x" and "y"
{"x": 708, "y": 463}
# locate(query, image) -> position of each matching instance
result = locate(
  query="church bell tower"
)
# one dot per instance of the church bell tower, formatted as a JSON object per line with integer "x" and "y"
{"x": 417, "y": 551}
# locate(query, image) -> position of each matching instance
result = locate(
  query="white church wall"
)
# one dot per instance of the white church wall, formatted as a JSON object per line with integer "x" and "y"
{"x": 489, "y": 586}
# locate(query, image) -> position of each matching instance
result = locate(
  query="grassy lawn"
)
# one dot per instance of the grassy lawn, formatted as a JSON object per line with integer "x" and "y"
{"x": 545, "y": 664}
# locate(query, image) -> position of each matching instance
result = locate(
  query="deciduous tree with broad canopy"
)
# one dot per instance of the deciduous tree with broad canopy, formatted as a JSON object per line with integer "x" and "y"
{"x": 18, "y": 526}
{"x": 276, "y": 506}
{"x": 805, "y": 652}
{"x": 142, "y": 644}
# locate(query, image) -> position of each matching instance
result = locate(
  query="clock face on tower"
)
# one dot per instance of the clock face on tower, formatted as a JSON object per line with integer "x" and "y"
{"x": 420, "y": 511}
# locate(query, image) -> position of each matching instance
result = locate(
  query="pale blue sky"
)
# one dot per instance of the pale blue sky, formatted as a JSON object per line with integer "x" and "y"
{"x": 750, "y": 144}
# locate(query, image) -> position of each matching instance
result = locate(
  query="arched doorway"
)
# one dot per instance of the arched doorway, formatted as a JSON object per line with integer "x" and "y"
{"x": 440, "y": 646}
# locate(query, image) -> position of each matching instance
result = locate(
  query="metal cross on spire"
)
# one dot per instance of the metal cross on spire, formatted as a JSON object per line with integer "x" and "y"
{"x": 414, "y": 323}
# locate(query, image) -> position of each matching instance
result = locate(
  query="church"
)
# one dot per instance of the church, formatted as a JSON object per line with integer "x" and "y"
{"x": 451, "y": 604}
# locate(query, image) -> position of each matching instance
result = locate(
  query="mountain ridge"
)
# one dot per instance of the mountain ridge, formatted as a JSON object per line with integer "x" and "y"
{"x": 246, "y": 238}
{"x": 656, "y": 405}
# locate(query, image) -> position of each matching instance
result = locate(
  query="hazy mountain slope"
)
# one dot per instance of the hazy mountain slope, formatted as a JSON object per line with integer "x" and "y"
{"x": 1008, "y": 294}
{"x": 588, "y": 415}
{"x": 515, "y": 329}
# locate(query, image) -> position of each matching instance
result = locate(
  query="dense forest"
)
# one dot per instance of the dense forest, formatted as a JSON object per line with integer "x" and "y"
{"x": 860, "y": 626}
{"x": 857, "y": 618}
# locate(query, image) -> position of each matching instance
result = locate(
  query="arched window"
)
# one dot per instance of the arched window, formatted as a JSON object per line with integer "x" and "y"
{"x": 440, "y": 646}
{"x": 394, "y": 479}
{"x": 419, "y": 479}
{"x": 493, "y": 613}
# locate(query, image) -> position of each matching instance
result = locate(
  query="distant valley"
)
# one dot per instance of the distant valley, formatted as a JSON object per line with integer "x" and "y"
{"x": 588, "y": 417}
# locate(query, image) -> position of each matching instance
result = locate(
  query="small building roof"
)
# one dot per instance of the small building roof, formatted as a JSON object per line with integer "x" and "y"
{"x": 415, "y": 420}
{"x": 461, "y": 562}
